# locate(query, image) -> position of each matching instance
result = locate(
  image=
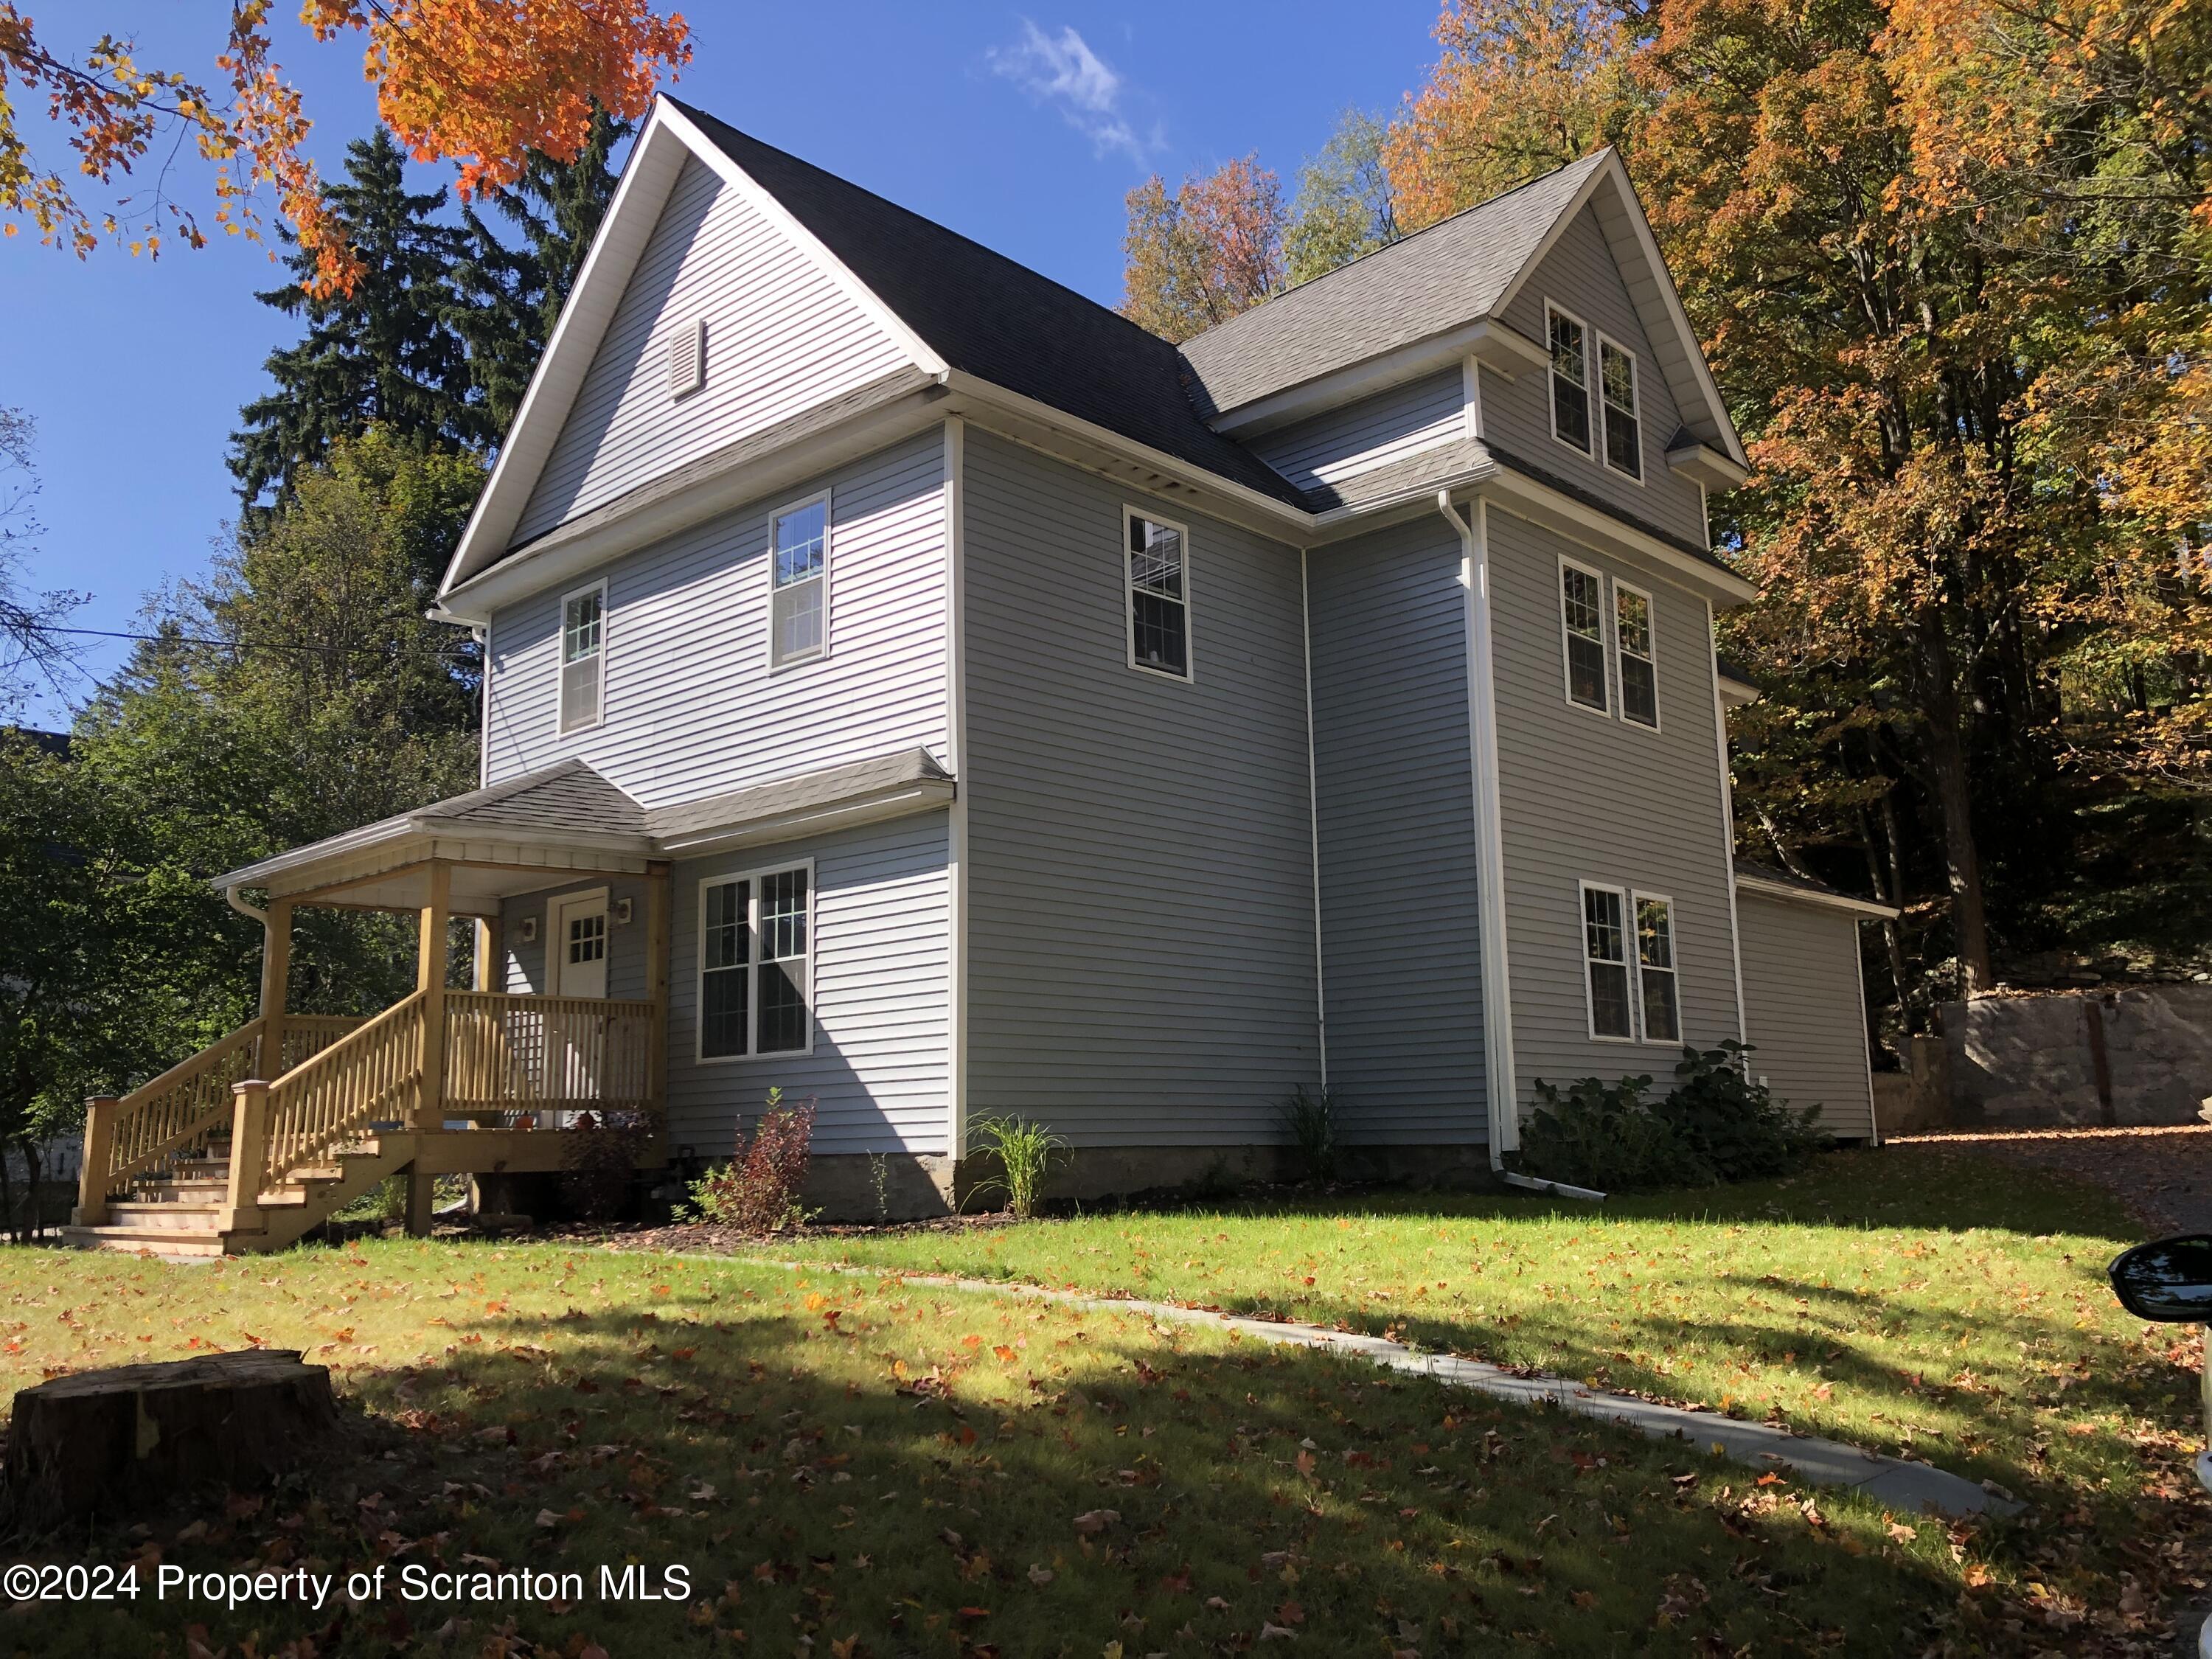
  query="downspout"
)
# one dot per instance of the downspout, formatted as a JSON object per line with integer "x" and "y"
{"x": 1500, "y": 1086}
{"x": 230, "y": 897}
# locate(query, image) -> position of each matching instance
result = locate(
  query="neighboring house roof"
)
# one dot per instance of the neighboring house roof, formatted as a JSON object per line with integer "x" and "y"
{"x": 570, "y": 801}
{"x": 1451, "y": 272}
{"x": 1780, "y": 884}
{"x": 996, "y": 320}
{"x": 56, "y": 744}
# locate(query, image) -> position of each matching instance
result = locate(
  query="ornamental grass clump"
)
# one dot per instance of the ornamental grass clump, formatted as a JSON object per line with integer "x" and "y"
{"x": 757, "y": 1192}
{"x": 1025, "y": 1151}
{"x": 1309, "y": 1119}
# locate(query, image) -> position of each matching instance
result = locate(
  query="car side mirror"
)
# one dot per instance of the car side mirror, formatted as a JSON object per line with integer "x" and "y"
{"x": 2168, "y": 1279}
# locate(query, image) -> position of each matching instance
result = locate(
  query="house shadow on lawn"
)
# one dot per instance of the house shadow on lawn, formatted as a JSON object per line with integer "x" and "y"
{"x": 879, "y": 1469}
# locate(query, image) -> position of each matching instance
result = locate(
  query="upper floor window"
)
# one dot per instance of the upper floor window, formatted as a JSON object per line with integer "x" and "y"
{"x": 754, "y": 987}
{"x": 1582, "y": 617}
{"x": 799, "y": 583}
{"x": 1158, "y": 595}
{"x": 583, "y": 656}
{"x": 1624, "y": 448}
{"x": 1638, "y": 668}
{"x": 1571, "y": 409}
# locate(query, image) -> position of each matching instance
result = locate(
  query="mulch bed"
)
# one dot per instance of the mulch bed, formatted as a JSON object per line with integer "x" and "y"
{"x": 2162, "y": 1174}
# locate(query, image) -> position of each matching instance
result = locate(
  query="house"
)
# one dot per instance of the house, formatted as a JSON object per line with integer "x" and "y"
{"x": 913, "y": 686}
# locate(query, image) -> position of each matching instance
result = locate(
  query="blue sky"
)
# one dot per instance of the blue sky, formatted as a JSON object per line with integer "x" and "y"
{"x": 1020, "y": 128}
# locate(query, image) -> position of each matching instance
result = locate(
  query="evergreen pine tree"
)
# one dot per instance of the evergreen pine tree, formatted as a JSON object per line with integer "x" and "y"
{"x": 386, "y": 355}
{"x": 508, "y": 298}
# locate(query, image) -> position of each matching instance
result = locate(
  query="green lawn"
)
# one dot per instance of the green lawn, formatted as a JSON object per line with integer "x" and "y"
{"x": 851, "y": 1465}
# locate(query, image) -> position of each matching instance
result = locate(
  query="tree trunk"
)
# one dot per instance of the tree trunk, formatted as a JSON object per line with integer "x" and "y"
{"x": 1892, "y": 935}
{"x": 120, "y": 1443}
{"x": 1944, "y": 740}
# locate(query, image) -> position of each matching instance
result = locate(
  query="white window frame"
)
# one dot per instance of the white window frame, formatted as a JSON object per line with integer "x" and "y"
{"x": 1189, "y": 674}
{"x": 1605, "y": 643}
{"x": 753, "y": 877}
{"x": 1620, "y": 651}
{"x": 1601, "y": 444}
{"x": 560, "y": 659}
{"x": 1628, "y": 963}
{"x": 820, "y": 497}
{"x": 1635, "y": 898}
{"x": 1590, "y": 393}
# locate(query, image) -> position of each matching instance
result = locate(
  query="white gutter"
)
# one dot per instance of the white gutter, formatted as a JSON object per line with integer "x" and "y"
{"x": 251, "y": 912}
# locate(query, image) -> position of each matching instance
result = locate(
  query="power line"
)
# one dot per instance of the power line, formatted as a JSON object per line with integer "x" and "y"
{"x": 219, "y": 645}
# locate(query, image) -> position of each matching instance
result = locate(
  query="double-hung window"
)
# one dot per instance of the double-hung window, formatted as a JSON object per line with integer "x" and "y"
{"x": 756, "y": 989}
{"x": 1616, "y": 380}
{"x": 1157, "y": 568}
{"x": 1638, "y": 668}
{"x": 1660, "y": 1009}
{"x": 583, "y": 656}
{"x": 1582, "y": 619}
{"x": 799, "y": 583}
{"x": 1628, "y": 965}
{"x": 1605, "y": 960}
{"x": 1571, "y": 408}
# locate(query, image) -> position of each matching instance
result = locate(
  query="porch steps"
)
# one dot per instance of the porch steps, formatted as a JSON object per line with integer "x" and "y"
{"x": 181, "y": 1213}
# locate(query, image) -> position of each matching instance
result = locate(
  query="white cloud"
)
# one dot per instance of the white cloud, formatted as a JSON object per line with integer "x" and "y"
{"x": 1062, "y": 70}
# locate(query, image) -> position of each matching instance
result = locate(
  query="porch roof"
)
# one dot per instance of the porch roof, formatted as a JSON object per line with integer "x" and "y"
{"x": 566, "y": 821}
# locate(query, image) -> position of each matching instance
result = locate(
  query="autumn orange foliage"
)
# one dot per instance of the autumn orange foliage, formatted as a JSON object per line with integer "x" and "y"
{"x": 479, "y": 82}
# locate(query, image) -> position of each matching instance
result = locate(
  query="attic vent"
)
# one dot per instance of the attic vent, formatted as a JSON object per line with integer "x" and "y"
{"x": 687, "y": 359}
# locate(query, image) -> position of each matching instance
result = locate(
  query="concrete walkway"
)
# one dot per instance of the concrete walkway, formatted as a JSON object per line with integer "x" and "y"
{"x": 1906, "y": 1486}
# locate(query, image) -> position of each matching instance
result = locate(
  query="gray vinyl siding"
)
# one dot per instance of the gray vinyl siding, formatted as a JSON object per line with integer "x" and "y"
{"x": 1400, "y": 879}
{"x": 1802, "y": 1003}
{"x": 782, "y": 336}
{"x": 689, "y": 707}
{"x": 1589, "y": 797}
{"x": 1370, "y": 432}
{"x": 1140, "y": 930}
{"x": 525, "y": 972}
{"x": 1578, "y": 274}
{"x": 879, "y": 1071}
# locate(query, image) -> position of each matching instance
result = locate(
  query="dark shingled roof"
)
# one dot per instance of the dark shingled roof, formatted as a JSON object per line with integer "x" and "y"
{"x": 827, "y": 786}
{"x": 998, "y": 320}
{"x": 1750, "y": 870}
{"x": 1450, "y": 273}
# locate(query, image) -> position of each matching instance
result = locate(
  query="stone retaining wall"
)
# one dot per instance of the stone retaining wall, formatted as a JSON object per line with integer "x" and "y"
{"x": 2034, "y": 1060}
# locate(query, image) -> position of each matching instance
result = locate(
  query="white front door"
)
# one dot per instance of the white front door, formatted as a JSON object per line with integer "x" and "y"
{"x": 578, "y": 948}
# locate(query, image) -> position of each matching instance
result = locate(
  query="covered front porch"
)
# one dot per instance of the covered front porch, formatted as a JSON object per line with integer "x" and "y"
{"x": 252, "y": 1142}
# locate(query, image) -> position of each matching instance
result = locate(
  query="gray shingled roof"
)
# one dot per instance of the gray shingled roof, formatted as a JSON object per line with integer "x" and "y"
{"x": 1451, "y": 273}
{"x": 566, "y": 795}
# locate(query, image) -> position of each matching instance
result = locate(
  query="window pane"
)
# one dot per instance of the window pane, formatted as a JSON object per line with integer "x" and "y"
{"x": 1155, "y": 557}
{"x": 1570, "y": 383}
{"x": 782, "y": 1012}
{"x": 726, "y": 950}
{"x": 796, "y": 620}
{"x": 1581, "y": 606}
{"x": 587, "y": 938}
{"x": 1639, "y": 693}
{"x": 1662, "y": 1022}
{"x": 1617, "y": 376}
{"x": 1632, "y": 620}
{"x": 1603, "y": 936}
{"x": 579, "y": 692}
{"x": 800, "y": 538}
{"x": 579, "y": 627}
{"x": 1654, "y": 933}
{"x": 1161, "y": 642}
{"x": 1655, "y": 958}
{"x": 1639, "y": 680}
{"x": 1609, "y": 1000}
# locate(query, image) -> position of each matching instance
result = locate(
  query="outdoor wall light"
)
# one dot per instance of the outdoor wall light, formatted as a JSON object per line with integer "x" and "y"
{"x": 623, "y": 912}
{"x": 528, "y": 930}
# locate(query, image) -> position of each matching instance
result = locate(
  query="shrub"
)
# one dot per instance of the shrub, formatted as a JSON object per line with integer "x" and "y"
{"x": 1602, "y": 1134}
{"x": 1731, "y": 1124}
{"x": 1715, "y": 1125}
{"x": 1310, "y": 1119}
{"x": 1025, "y": 1151}
{"x": 757, "y": 1191}
{"x": 599, "y": 1162}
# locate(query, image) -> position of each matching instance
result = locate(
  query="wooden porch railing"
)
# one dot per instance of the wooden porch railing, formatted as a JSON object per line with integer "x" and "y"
{"x": 372, "y": 1074}
{"x": 525, "y": 1055}
{"x": 150, "y": 1130}
{"x": 307, "y": 1035}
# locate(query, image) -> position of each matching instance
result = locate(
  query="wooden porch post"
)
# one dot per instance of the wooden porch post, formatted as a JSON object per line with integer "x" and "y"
{"x": 275, "y": 980}
{"x": 490, "y": 955}
{"x": 658, "y": 883}
{"x": 430, "y": 979}
{"x": 92, "y": 1179}
{"x": 249, "y": 1147}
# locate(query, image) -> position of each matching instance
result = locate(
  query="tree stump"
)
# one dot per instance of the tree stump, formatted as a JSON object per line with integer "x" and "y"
{"x": 122, "y": 1442}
